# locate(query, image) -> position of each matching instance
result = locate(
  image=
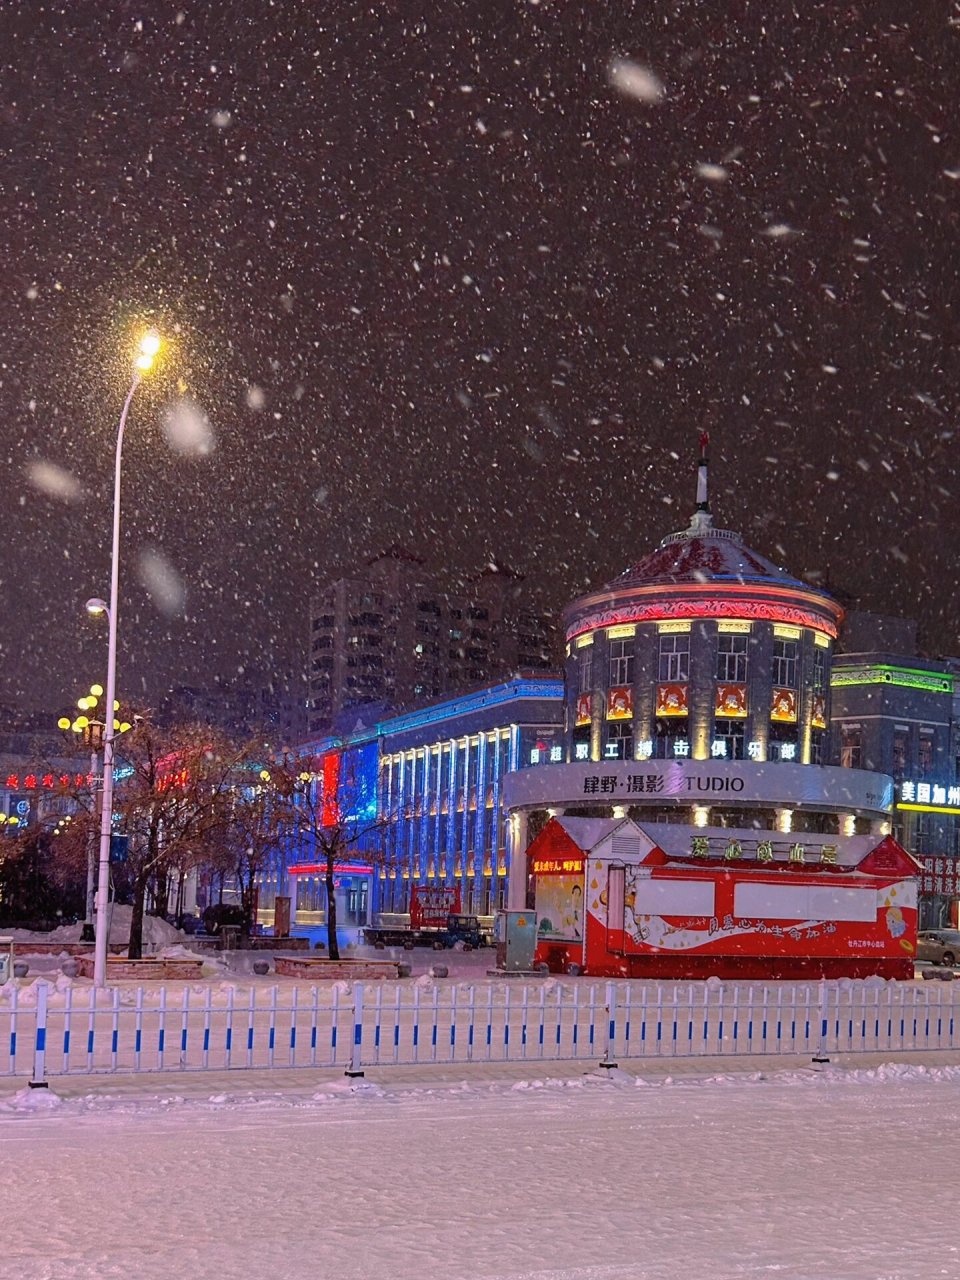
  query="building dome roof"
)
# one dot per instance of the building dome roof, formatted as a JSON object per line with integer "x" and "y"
{"x": 702, "y": 554}
{"x": 707, "y": 573}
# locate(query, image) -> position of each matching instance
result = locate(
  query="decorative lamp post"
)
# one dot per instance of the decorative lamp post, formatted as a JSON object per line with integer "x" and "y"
{"x": 91, "y": 732}
{"x": 143, "y": 363}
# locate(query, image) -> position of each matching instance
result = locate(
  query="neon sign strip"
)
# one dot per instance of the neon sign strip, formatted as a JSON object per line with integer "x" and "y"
{"x": 715, "y": 608}
{"x": 904, "y": 677}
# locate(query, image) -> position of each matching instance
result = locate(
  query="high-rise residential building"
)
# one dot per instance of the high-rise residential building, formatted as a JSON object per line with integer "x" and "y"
{"x": 390, "y": 637}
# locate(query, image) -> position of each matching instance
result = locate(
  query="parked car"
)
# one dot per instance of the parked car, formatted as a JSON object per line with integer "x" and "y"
{"x": 942, "y": 946}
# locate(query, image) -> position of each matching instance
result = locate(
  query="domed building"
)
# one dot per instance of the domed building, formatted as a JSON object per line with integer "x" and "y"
{"x": 702, "y": 650}
{"x": 696, "y": 713}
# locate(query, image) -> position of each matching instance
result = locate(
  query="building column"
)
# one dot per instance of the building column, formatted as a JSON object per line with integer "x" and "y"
{"x": 517, "y": 860}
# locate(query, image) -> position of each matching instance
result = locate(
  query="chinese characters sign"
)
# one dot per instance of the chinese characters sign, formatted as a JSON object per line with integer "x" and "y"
{"x": 939, "y": 875}
{"x": 429, "y": 908}
{"x": 557, "y": 866}
{"x": 45, "y": 781}
{"x": 734, "y": 850}
{"x": 930, "y": 793}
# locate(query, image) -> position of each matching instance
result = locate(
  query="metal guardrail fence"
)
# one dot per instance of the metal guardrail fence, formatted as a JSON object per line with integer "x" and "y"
{"x": 45, "y": 1032}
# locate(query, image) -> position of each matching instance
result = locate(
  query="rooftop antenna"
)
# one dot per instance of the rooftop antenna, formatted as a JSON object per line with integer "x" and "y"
{"x": 702, "y": 519}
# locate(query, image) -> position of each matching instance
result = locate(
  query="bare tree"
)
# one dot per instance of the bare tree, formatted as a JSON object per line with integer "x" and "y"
{"x": 329, "y": 809}
{"x": 174, "y": 800}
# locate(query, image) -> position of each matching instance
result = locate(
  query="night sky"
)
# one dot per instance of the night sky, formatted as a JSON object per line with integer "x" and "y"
{"x": 437, "y": 275}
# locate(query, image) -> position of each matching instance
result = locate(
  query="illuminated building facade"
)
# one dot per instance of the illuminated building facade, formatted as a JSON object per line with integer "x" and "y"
{"x": 698, "y": 694}
{"x": 702, "y": 650}
{"x": 898, "y": 713}
{"x": 437, "y": 774}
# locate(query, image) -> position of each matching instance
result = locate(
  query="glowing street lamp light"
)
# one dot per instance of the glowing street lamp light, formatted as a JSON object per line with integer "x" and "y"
{"x": 148, "y": 349}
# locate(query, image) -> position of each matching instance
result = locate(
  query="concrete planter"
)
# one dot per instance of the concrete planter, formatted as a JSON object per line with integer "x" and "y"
{"x": 149, "y": 970}
{"x": 315, "y": 967}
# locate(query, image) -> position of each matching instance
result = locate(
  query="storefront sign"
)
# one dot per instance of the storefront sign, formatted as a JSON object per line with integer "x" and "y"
{"x": 930, "y": 796}
{"x": 557, "y": 866}
{"x": 939, "y": 875}
{"x": 778, "y": 784}
{"x": 45, "y": 781}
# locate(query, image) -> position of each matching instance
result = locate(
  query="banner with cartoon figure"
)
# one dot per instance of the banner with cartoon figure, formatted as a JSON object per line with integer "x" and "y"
{"x": 783, "y": 705}
{"x": 819, "y": 718}
{"x": 583, "y": 709}
{"x": 671, "y": 699}
{"x": 560, "y": 907}
{"x": 731, "y": 700}
{"x": 620, "y": 703}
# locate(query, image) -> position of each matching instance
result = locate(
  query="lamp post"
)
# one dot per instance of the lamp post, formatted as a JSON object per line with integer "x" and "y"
{"x": 91, "y": 731}
{"x": 143, "y": 362}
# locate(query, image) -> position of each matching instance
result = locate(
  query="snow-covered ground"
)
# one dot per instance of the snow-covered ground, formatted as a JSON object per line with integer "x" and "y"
{"x": 797, "y": 1175}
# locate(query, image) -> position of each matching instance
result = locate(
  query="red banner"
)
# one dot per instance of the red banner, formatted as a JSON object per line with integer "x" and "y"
{"x": 330, "y": 774}
{"x": 620, "y": 703}
{"x": 671, "y": 699}
{"x": 783, "y": 705}
{"x": 731, "y": 700}
{"x": 429, "y": 907}
{"x": 583, "y": 709}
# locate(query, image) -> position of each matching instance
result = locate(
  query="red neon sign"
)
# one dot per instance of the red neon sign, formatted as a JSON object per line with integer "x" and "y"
{"x": 330, "y": 774}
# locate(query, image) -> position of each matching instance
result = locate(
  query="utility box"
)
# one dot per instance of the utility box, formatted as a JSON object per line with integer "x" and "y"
{"x": 516, "y": 939}
{"x": 6, "y": 960}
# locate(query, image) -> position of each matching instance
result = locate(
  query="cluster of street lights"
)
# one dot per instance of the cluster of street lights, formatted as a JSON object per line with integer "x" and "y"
{"x": 92, "y": 731}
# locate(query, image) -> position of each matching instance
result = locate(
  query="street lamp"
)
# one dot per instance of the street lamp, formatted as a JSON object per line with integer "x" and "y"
{"x": 143, "y": 361}
{"x": 91, "y": 732}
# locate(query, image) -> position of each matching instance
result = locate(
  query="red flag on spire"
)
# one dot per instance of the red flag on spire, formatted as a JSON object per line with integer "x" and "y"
{"x": 704, "y": 441}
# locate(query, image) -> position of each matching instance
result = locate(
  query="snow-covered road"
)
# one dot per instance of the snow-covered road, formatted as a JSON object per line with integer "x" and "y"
{"x": 795, "y": 1176}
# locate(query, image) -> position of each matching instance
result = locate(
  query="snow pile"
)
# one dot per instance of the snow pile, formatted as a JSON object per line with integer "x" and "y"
{"x": 31, "y": 1101}
{"x": 157, "y": 933}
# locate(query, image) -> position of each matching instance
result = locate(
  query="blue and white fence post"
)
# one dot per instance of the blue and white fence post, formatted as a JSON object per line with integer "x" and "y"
{"x": 38, "y": 1080}
{"x": 355, "y": 1069}
{"x": 821, "y": 1054}
{"x": 609, "y": 1060}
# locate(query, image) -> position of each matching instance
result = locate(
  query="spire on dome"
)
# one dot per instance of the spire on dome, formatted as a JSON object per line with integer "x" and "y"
{"x": 702, "y": 519}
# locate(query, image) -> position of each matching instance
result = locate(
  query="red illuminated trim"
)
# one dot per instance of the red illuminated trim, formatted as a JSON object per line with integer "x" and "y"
{"x": 320, "y": 868}
{"x": 731, "y": 604}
